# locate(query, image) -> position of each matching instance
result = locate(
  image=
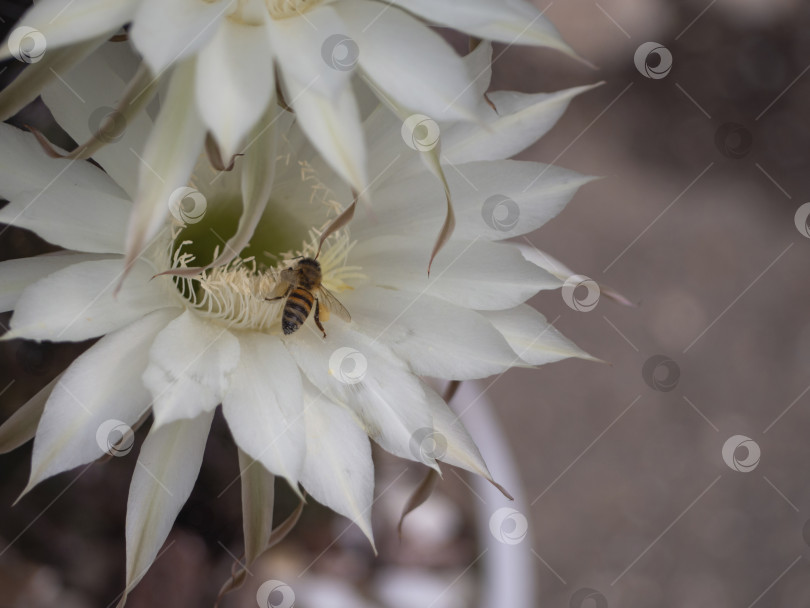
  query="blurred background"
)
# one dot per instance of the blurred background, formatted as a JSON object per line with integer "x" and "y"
{"x": 675, "y": 475}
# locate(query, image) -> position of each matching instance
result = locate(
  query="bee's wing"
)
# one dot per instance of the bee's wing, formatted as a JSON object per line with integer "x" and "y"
{"x": 287, "y": 280}
{"x": 331, "y": 304}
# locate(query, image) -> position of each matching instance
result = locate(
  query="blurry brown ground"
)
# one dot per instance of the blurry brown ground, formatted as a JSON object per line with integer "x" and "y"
{"x": 636, "y": 503}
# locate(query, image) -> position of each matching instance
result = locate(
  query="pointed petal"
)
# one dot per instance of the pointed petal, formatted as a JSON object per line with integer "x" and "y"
{"x": 338, "y": 470}
{"x": 257, "y": 505}
{"x": 234, "y": 86}
{"x": 264, "y": 405}
{"x": 532, "y": 337}
{"x": 352, "y": 370}
{"x": 411, "y": 63}
{"x": 77, "y": 303}
{"x": 21, "y": 426}
{"x": 190, "y": 364}
{"x": 167, "y": 468}
{"x": 167, "y": 33}
{"x": 168, "y": 159}
{"x": 512, "y": 22}
{"x": 99, "y": 395}
{"x": 17, "y": 275}
{"x": 479, "y": 66}
{"x": 61, "y": 24}
{"x": 435, "y": 337}
{"x": 521, "y": 119}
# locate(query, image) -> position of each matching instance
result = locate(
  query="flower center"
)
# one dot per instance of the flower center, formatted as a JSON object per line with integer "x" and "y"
{"x": 284, "y": 9}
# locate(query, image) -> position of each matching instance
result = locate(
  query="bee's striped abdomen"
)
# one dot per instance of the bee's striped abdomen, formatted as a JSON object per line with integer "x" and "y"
{"x": 296, "y": 310}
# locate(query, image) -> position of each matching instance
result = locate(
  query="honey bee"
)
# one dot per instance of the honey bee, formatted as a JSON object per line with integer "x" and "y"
{"x": 304, "y": 288}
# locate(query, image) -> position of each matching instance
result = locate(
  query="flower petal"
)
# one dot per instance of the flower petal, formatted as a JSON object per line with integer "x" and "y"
{"x": 435, "y": 337}
{"x": 21, "y": 426}
{"x": 509, "y": 21}
{"x": 521, "y": 119}
{"x": 190, "y": 365}
{"x": 168, "y": 466}
{"x": 62, "y": 24}
{"x": 338, "y": 470}
{"x": 475, "y": 274}
{"x": 166, "y": 33}
{"x": 234, "y": 82}
{"x": 532, "y": 337}
{"x": 352, "y": 370}
{"x": 77, "y": 303}
{"x": 263, "y": 406}
{"x": 411, "y": 63}
{"x": 17, "y": 275}
{"x": 101, "y": 389}
{"x": 258, "y": 495}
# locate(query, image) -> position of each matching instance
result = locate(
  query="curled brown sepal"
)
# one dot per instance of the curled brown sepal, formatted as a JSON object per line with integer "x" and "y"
{"x": 339, "y": 222}
{"x": 239, "y": 571}
{"x": 215, "y": 156}
{"x": 419, "y": 496}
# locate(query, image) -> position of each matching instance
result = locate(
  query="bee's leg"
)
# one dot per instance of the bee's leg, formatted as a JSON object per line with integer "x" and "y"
{"x": 318, "y": 317}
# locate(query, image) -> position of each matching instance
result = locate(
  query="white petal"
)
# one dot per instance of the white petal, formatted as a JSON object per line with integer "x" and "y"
{"x": 533, "y": 338}
{"x": 61, "y": 23}
{"x": 475, "y": 274}
{"x": 492, "y": 199}
{"x": 168, "y": 466}
{"x": 264, "y": 406}
{"x": 333, "y": 126}
{"x": 258, "y": 496}
{"x": 509, "y": 21}
{"x": 17, "y": 275}
{"x": 101, "y": 391}
{"x": 168, "y": 159}
{"x": 479, "y": 66}
{"x": 21, "y": 426}
{"x": 77, "y": 303}
{"x": 81, "y": 98}
{"x": 521, "y": 120}
{"x": 352, "y": 370}
{"x": 434, "y": 337}
{"x": 190, "y": 365}
{"x": 412, "y": 64}
{"x": 338, "y": 470}
{"x": 235, "y": 82}
{"x": 166, "y": 33}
